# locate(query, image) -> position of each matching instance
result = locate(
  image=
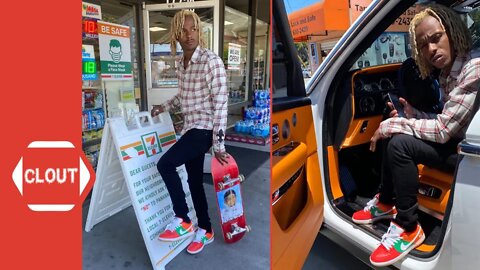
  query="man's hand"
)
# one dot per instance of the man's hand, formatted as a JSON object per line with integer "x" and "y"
{"x": 222, "y": 157}
{"x": 373, "y": 141}
{"x": 156, "y": 110}
{"x": 393, "y": 111}
{"x": 407, "y": 109}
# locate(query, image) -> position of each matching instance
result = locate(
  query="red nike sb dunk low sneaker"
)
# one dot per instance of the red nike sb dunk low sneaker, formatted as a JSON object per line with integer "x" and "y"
{"x": 202, "y": 238}
{"x": 176, "y": 230}
{"x": 396, "y": 244}
{"x": 373, "y": 211}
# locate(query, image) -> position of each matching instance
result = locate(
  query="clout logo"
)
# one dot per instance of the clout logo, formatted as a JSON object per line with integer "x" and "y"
{"x": 51, "y": 175}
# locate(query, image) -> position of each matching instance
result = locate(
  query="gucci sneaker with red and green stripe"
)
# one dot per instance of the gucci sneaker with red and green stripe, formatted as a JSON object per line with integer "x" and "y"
{"x": 176, "y": 230}
{"x": 373, "y": 211}
{"x": 396, "y": 244}
{"x": 202, "y": 238}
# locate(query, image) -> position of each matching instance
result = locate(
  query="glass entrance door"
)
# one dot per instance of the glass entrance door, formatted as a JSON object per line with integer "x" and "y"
{"x": 161, "y": 78}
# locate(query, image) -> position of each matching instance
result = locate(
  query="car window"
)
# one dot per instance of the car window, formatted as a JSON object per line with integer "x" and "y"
{"x": 388, "y": 48}
{"x": 473, "y": 22}
{"x": 393, "y": 45}
{"x": 279, "y": 63}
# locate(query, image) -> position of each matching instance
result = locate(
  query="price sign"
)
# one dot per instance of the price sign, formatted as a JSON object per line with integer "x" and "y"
{"x": 91, "y": 11}
{"x": 89, "y": 28}
{"x": 89, "y": 66}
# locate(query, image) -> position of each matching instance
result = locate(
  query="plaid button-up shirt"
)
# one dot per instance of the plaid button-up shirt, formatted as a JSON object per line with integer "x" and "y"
{"x": 203, "y": 95}
{"x": 460, "y": 88}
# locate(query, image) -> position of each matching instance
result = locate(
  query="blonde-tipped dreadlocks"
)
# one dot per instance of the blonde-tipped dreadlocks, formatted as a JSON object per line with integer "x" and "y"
{"x": 454, "y": 27}
{"x": 177, "y": 26}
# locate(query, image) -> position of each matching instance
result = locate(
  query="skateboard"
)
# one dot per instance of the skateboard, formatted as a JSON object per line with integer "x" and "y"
{"x": 226, "y": 181}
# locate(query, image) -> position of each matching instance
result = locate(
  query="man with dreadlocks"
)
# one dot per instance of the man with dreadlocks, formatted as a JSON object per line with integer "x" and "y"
{"x": 440, "y": 40}
{"x": 203, "y": 98}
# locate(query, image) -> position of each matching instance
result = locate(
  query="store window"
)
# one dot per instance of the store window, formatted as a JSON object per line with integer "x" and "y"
{"x": 245, "y": 58}
{"x": 162, "y": 61}
{"x": 163, "y": 65}
{"x": 103, "y": 98}
{"x": 261, "y": 55}
{"x": 235, "y": 48}
{"x": 245, "y": 54}
{"x": 123, "y": 14}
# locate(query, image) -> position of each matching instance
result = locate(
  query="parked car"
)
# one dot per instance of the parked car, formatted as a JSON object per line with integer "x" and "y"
{"x": 322, "y": 169}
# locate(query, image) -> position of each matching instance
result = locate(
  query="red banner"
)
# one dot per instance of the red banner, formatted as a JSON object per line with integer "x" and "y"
{"x": 41, "y": 102}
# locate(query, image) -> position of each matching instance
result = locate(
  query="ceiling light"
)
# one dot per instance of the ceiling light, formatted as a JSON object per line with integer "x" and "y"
{"x": 228, "y": 23}
{"x": 156, "y": 28}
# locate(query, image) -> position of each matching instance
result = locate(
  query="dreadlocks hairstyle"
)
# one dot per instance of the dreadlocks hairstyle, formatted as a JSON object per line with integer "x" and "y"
{"x": 453, "y": 26}
{"x": 177, "y": 26}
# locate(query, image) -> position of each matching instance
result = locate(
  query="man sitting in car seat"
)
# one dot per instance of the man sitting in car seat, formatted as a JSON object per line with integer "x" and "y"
{"x": 424, "y": 94}
{"x": 439, "y": 40}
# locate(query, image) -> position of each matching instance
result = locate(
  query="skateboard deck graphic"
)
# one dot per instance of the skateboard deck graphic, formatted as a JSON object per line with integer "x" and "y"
{"x": 226, "y": 181}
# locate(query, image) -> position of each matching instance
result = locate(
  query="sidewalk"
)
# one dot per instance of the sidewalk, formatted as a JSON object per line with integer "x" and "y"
{"x": 117, "y": 243}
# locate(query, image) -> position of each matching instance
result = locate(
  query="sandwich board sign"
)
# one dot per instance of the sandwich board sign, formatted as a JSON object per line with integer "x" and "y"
{"x": 127, "y": 175}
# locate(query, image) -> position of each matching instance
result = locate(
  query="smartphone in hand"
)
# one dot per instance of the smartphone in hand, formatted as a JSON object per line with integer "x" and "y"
{"x": 393, "y": 98}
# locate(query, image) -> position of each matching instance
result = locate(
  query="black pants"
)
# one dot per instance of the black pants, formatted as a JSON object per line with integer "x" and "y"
{"x": 401, "y": 154}
{"x": 189, "y": 150}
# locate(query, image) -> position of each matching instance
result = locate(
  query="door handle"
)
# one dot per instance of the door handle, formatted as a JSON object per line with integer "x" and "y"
{"x": 468, "y": 149}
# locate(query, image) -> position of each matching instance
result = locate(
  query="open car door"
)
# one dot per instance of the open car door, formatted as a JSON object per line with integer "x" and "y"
{"x": 348, "y": 96}
{"x": 297, "y": 193}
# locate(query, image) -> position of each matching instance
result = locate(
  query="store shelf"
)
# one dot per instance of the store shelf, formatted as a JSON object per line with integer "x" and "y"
{"x": 91, "y": 137}
{"x": 92, "y": 129}
{"x": 91, "y": 142}
{"x": 91, "y": 88}
{"x": 92, "y": 109}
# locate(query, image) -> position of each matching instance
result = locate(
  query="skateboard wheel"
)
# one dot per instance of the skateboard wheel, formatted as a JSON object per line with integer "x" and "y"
{"x": 242, "y": 178}
{"x": 249, "y": 229}
{"x": 229, "y": 236}
{"x": 220, "y": 185}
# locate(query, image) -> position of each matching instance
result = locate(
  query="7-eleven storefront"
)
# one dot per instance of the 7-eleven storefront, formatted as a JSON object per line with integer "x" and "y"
{"x": 236, "y": 30}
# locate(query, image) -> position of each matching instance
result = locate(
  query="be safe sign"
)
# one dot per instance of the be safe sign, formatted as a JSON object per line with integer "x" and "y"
{"x": 115, "y": 55}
